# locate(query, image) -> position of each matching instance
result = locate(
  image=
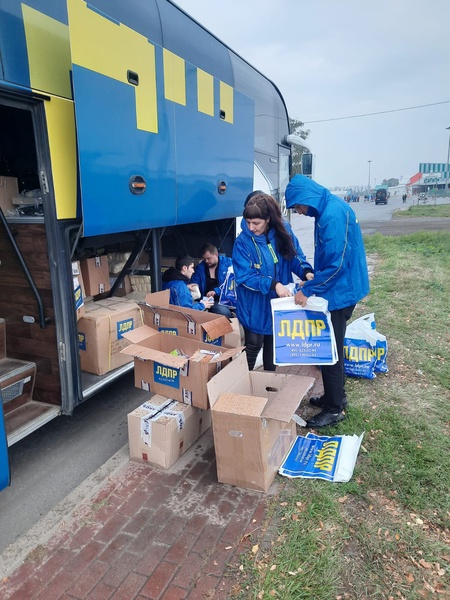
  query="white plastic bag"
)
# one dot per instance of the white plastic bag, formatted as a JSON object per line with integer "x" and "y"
{"x": 303, "y": 335}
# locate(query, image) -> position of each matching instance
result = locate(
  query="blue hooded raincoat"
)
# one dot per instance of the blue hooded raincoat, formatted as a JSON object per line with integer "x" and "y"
{"x": 340, "y": 266}
{"x": 255, "y": 268}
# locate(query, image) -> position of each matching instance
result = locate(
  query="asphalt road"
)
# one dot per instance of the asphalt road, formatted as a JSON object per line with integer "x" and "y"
{"x": 48, "y": 465}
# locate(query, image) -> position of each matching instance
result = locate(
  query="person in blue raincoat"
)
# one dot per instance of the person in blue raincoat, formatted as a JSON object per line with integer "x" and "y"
{"x": 265, "y": 254}
{"x": 340, "y": 276}
{"x": 176, "y": 280}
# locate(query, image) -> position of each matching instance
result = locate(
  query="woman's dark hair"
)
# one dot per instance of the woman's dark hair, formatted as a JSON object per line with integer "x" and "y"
{"x": 252, "y": 195}
{"x": 263, "y": 206}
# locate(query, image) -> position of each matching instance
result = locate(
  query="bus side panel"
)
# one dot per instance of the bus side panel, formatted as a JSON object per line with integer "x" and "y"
{"x": 28, "y": 341}
{"x": 209, "y": 150}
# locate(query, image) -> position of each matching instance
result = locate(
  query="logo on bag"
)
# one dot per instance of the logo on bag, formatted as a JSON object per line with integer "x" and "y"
{"x": 301, "y": 329}
{"x": 303, "y": 336}
{"x": 166, "y": 375}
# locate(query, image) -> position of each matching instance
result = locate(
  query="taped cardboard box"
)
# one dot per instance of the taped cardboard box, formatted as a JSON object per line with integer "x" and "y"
{"x": 101, "y": 334}
{"x": 174, "y": 366}
{"x": 8, "y": 189}
{"x": 253, "y": 422}
{"x": 187, "y": 322}
{"x": 162, "y": 429}
{"x": 78, "y": 290}
{"x": 95, "y": 272}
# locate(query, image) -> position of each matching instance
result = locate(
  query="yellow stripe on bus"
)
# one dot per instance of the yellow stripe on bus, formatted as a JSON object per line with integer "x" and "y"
{"x": 205, "y": 92}
{"x": 174, "y": 77}
{"x": 61, "y": 136}
{"x": 112, "y": 49}
{"x": 48, "y": 52}
{"x": 227, "y": 101}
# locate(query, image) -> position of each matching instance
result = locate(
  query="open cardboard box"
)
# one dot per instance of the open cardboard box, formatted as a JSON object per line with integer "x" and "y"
{"x": 182, "y": 378}
{"x": 161, "y": 430}
{"x": 187, "y": 322}
{"x": 253, "y": 422}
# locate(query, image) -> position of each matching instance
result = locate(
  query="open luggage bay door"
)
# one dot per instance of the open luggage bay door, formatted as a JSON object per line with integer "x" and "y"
{"x": 152, "y": 151}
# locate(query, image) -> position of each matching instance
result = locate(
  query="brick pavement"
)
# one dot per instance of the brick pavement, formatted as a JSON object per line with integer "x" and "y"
{"x": 150, "y": 534}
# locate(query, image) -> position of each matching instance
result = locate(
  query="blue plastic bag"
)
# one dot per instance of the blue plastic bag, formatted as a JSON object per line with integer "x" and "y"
{"x": 228, "y": 295}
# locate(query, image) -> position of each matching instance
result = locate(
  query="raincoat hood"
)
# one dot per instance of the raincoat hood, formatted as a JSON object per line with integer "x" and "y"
{"x": 303, "y": 190}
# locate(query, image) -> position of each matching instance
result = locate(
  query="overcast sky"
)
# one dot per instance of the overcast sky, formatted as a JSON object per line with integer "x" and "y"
{"x": 339, "y": 58}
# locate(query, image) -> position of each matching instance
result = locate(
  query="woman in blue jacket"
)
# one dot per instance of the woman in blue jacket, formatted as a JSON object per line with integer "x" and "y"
{"x": 264, "y": 257}
{"x": 340, "y": 276}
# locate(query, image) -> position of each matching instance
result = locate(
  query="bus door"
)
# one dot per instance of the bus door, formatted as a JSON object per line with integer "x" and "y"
{"x": 124, "y": 127}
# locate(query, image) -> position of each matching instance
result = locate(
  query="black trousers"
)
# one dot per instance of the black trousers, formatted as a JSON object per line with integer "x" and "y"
{"x": 253, "y": 344}
{"x": 333, "y": 375}
{"x": 221, "y": 309}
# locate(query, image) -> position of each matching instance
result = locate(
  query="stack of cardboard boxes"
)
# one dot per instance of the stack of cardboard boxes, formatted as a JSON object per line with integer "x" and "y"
{"x": 181, "y": 356}
{"x": 193, "y": 366}
{"x": 102, "y": 324}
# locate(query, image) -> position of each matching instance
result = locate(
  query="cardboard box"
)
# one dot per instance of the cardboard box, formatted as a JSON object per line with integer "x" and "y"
{"x": 161, "y": 430}
{"x": 78, "y": 290}
{"x": 253, "y": 426}
{"x": 101, "y": 334}
{"x": 236, "y": 337}
{"x": 95, "y": 272}
{"x": 187, "y": 322}
{"x": 182, "y": 378}
{"x": 124, "y": 288}
{"x": 8, "y": 189}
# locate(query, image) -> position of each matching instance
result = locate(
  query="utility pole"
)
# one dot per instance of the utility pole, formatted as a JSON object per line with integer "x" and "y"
{"x": 448, "y": 160}
{"x": 369, "y": 161}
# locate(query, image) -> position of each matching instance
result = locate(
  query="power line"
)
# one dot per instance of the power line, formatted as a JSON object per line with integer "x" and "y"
{"x": 383, "y": 112}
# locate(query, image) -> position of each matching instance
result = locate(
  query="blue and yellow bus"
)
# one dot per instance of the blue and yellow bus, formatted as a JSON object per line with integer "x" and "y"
{"x": 124, "y": 126}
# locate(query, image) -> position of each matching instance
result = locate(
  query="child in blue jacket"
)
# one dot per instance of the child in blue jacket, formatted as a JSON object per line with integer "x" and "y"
{"x": 176, "y": 280}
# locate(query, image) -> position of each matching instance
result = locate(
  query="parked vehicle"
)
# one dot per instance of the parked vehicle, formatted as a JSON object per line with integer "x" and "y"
{"x": 381, "y": 196}
{"x": 125, "y": 127}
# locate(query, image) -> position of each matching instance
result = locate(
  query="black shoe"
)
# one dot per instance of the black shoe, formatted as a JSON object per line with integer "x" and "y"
{"x": 325, "y": 418}
{"x": 319, "y": 401}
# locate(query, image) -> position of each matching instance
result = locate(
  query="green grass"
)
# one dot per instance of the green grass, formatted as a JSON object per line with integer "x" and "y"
{"x": 386, "y": 533}
{"x": 425, "y": 210}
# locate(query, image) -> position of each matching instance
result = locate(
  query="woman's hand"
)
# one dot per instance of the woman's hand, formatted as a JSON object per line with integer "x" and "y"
{"x": 281, "y": 291}
{"x": 309, "y": 276}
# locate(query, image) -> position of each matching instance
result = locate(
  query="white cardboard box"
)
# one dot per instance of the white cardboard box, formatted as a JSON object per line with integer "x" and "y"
{"x": 161, "y": 430}
{"x": 253, "y": 426}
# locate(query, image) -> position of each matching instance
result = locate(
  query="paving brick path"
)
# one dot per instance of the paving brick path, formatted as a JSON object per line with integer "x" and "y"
{"x": 149, "y": 534}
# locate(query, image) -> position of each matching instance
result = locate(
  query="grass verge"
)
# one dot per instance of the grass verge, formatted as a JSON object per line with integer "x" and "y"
{"x": 384, "y": 534}
{"x": 421, "y": 210}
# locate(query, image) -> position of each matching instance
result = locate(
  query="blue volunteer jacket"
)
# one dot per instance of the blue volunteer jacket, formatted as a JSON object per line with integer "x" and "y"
{"x": 340, "y": 266}
{"x": 180, "y": 294}
{"x": 255, "y": 270}
{"x": 199, "y": 277}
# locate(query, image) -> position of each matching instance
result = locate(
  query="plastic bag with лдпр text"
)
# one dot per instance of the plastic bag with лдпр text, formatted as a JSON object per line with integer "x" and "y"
{"x": 365, "y": 349}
